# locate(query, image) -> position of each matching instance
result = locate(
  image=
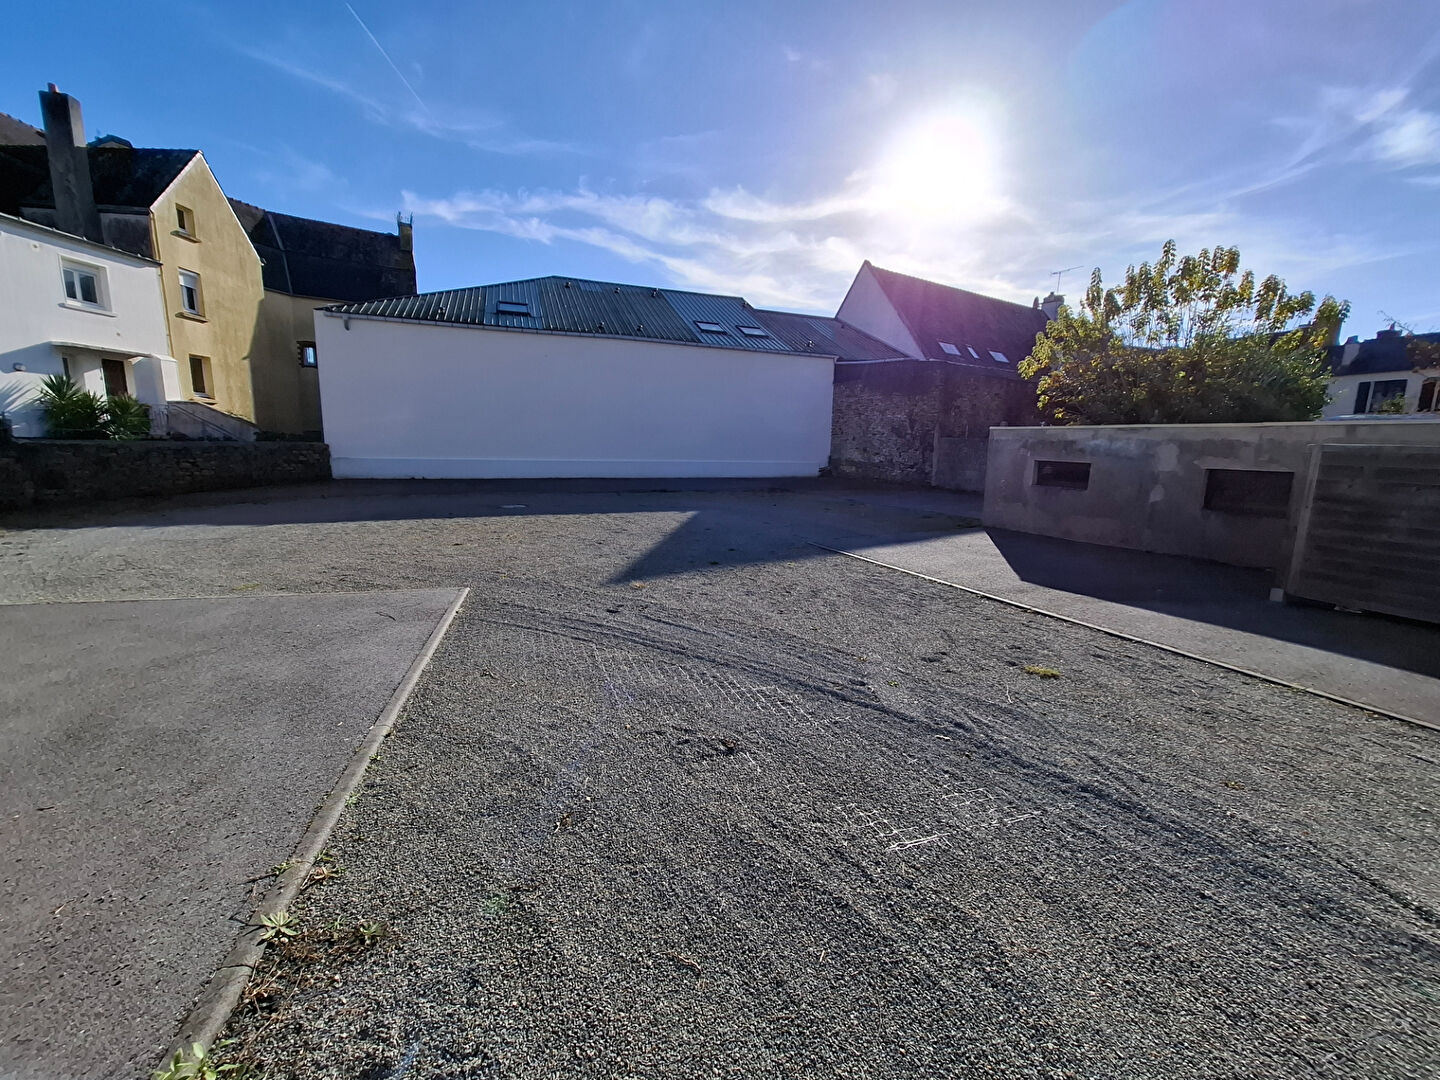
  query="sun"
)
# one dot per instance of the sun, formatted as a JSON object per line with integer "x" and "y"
{"x": 943, "y": 168}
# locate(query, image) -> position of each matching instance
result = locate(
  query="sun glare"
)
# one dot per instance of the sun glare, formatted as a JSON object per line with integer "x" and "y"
{"x": 942, "y": 169}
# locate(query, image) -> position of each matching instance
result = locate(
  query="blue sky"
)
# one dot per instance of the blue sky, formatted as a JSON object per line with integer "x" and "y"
{"x": 767, "y": 148}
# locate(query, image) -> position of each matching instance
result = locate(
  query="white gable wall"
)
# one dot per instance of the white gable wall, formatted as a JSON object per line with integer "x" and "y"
{"x": 868, "y": 308}
{"x": 405, "y": 399}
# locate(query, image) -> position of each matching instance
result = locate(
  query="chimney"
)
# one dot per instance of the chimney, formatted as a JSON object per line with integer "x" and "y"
{"x": 1386, "y": 334}
{"x": 1350, "y": 351}
{"x": 407, "y": 232}
{"x": 75, "y": 210}
{"x": 1051, "y": 305}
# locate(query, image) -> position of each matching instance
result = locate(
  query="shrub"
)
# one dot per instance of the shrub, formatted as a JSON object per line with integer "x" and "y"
{"x": 127, "y": 418}
{"x": 70, "y": 412}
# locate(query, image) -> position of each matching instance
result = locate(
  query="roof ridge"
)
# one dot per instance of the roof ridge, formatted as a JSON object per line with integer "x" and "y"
{"x": 953, "y": 288}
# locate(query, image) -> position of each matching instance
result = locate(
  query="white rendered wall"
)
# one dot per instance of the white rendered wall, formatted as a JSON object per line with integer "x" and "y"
{"x": 1344, "y": 387}
{"x": 34, "y": 312}
{"x": 867, "y": 308}
{"x": 409, "y": 400}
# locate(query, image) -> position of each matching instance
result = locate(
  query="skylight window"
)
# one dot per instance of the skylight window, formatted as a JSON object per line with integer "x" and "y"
{"x": 1000, "y": 356}
{"x": 753, "y": 331}
{"x": 973, "y": 353}
{"x": 949, "y": 347}
{"x": 512, "y": 307}
{"x": 711, "y": 327}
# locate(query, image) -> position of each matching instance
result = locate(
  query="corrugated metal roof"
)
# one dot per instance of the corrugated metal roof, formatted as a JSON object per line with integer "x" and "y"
{"x": 826, "y": 336}
{"x": 581, "y": 306}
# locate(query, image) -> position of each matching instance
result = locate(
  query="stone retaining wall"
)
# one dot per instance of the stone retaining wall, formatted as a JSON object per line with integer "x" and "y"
{"x": 52, "y": 471}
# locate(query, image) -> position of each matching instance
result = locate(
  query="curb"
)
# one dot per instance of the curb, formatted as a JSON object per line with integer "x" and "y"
{"x": 1272, "y": 679}
{"x": 212, "y": 1009}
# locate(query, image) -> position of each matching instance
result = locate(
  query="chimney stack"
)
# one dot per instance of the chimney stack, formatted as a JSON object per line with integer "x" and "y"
{"x": 1051, "y": 305}
{"x": 75, "y": 210}
{"x": 407, "y": 232}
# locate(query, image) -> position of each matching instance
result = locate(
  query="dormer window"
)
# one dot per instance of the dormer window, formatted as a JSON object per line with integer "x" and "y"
{"x": 512, "y": 307}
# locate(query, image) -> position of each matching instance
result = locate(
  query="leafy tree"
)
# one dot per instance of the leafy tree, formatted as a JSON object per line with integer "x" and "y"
{"x": 1190, "y": 339}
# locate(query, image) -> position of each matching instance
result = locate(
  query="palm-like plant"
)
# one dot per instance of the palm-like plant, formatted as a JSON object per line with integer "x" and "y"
{"x": 126, "y": 418}
{"x": 70, "y": 412}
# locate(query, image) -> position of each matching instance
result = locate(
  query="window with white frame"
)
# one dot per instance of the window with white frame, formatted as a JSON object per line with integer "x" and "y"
{"x": 308, "y": 357}
{"x": 190, "y": 291}
{"x": 84, "y": 284}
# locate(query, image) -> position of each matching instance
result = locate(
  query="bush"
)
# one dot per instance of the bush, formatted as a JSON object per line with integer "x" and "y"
{"x": 73, "y": 413}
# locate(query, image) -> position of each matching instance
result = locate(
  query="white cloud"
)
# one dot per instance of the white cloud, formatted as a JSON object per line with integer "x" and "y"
{"x": 1371, "y": 125}
{"x": 1411, "y": 137}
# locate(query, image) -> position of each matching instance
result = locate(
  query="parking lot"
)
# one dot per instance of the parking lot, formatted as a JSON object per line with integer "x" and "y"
{"x": 682, "y": 794}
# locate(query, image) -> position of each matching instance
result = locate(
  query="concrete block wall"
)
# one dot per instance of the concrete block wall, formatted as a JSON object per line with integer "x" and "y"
{"x": 1147, "y": 484}
{"x": 81, "y": 471}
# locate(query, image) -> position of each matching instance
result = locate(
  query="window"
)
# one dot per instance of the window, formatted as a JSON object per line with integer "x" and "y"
{"x": 949, "y": 347}
{"x": 753, "y": 331}
{"x": 711, "y": 327}
{"x": 200, "y": 376}
{"x": 973, "y": 353}
{"x": 1063, "y": 474}
{"x": 190, "y": 291}
{"x": 1362, "y": 398}
{"x": 1428, "y": 394}
{"x": 1384, "y": 394}
{"x": 1000, "y": 356}
{"x": 307, "y": 354}
{"x": 1251, "y": 492}
{"x": 185, "y": 221}
{"x": 83, "y": 284}
{"x": 512, "y": 307}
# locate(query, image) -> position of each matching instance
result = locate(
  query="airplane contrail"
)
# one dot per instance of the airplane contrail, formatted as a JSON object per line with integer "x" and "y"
{"x": 398, "y": 73}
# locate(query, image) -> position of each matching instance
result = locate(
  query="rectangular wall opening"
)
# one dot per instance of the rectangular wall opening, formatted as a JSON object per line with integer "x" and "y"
{"x": 1063, "y": 474}
{"x": 1250, "y": 492}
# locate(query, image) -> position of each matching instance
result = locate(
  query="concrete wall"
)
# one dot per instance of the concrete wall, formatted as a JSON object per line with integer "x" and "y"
{"x": 230, "y": 286}
{"x": 1147, "y": 483}
{"x": 34, "y": 312}
{"x": 287, "y": 396}
{"x": 1343, "y": 389}
{"x": 94, "y": 471}
{"x": 407, "y": 399}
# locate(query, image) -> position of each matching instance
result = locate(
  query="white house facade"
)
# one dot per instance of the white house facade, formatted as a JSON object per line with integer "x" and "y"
{"x": 71, "y": 306}
{"x": 557, "y": 378}
{"x": 1391, "y": 374}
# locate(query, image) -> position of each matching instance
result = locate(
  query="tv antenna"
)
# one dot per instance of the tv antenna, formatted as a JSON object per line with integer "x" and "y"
{"x": 1056, "y": 275}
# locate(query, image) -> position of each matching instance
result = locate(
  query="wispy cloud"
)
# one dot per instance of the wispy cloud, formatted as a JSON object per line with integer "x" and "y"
{"x": 381, "y": 49}
{"x": 477, "y": 130}
{"x": 802, "y": 253}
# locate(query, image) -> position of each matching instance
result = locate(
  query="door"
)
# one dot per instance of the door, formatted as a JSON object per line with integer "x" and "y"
{"x": 116, "y": 382}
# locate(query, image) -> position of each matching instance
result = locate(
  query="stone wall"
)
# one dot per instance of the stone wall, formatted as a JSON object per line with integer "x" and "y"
{"x": 921, "y": 422}
{"x": 75, "y": 471}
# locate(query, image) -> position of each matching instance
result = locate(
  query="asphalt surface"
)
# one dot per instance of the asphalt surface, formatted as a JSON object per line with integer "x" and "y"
{"x": 157, "y": 758}
{"x": 683, "y": 796}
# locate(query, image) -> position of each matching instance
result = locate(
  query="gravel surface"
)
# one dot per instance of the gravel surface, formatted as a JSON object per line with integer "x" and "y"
{"x": 683, "y": 797}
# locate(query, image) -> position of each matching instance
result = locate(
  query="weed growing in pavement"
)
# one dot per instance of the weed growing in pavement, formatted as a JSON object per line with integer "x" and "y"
{"x": 278, "y": 926}
{"x": 197, "y": 1063}
{"x": 280, "y": 867}
{"x": 1041, "y": 672}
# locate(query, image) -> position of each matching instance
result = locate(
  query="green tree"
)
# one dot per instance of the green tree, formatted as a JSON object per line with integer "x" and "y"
{"x": 73, "y": 413}
{"x": 1191, "y": 339}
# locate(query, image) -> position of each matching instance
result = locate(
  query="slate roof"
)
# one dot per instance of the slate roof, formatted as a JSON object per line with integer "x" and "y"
{"x": 16, "y": 132}
{"x": 601, "y": 308}
{"x": 826, "y": 335}
{"x": 122, "y": 178}
{"x": 1387, "y": 351}
{"x": 305, "y": 257}
{"x": 934, "y": 313}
